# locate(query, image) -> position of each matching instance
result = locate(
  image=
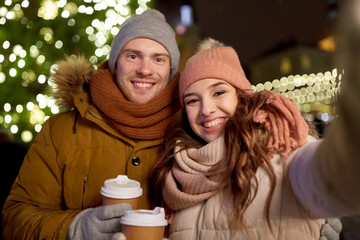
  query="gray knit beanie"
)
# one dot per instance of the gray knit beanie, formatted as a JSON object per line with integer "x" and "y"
{"x": 150, "y": 24}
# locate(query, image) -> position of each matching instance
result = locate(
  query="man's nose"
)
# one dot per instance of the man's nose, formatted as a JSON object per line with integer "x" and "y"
{"x": 144, "y": 68}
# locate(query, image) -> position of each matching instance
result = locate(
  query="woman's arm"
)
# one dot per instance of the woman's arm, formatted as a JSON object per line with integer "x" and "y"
{"x": 326, "y": 175}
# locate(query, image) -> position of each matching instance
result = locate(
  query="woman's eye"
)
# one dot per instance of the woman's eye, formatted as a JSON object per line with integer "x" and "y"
{"x": 191, "y": 101}
{"x": 218, "y": 93}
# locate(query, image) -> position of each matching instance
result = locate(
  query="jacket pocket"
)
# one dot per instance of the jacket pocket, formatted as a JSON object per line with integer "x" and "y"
{"x": 74, "y": 189}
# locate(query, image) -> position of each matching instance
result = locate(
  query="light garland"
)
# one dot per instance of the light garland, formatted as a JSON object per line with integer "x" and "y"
{"x": 313, "y": 92}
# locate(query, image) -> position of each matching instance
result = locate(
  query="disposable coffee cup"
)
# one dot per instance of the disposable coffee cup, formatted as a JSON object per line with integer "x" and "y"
{"x": 144, "y": 224}
{"x": 121, "y": 190}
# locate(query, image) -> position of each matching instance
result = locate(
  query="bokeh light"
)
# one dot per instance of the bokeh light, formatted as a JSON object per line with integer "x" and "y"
{"x": 32, "y": 40}
{"x": 34, "y": 36}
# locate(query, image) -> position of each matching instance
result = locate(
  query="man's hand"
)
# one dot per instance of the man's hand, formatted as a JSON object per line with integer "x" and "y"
{"x": 99, "y": 223}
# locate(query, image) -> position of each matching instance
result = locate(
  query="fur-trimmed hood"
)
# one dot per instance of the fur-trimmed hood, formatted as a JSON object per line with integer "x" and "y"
{"x": 70, "y": 77}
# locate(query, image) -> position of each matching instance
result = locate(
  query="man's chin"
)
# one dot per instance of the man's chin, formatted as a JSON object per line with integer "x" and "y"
{"x": 141, "y": 99}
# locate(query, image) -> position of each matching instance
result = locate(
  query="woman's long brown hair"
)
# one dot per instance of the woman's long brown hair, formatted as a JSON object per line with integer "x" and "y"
{"x": 246, "y": 150}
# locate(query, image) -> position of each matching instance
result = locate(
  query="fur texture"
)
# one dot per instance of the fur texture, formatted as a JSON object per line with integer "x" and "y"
{"x": 209, "y": 43}
{"x": 70, "y": 77}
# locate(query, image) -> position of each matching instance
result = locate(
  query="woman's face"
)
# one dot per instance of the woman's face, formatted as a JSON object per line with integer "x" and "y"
{"x": 209, "y": 103}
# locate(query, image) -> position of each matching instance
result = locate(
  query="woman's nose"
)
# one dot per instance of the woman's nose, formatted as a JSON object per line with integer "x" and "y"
{"x": 208, "y": 107}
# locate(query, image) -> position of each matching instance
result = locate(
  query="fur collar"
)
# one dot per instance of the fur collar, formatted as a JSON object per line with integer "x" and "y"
{"x": 70, "y": 77}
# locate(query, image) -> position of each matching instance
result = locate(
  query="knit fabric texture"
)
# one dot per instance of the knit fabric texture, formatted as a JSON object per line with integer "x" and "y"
{"x": 288, "y": 128}
{"x": 193, "y": 171}
{"x": 150, "y": 24}
{"x": 138, "y": 121}
{"x": 218, "y": 63}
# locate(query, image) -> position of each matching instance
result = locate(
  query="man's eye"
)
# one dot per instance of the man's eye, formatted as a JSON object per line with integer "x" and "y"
{"x": 131, "y": 56}
{"x": 159, "y": 60}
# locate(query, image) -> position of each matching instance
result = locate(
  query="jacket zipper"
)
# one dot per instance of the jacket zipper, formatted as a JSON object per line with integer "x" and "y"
{"x": 82, "y": 202}
{"x": 96, "y": 116}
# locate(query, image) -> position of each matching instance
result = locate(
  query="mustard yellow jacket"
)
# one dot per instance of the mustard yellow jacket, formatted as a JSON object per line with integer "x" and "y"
{"x": 74, "y": 150}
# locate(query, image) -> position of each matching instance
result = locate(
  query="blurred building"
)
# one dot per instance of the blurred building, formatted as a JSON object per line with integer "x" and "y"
{"x": 291, "y": 61}
{"x": 284, "y": 46}
{"x": 257, "y": 29}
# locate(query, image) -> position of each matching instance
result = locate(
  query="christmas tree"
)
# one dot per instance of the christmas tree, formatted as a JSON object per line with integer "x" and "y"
{"x": 34, "y": 35}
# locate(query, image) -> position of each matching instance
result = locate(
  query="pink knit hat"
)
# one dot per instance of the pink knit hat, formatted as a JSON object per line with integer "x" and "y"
{"x": 219, "y": 63}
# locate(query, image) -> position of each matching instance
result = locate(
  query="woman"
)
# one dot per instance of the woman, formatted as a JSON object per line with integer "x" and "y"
{"x": 240, "y": 165}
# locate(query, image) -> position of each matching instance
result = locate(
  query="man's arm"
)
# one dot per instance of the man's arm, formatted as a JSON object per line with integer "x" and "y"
{"x": 33, "y": 209}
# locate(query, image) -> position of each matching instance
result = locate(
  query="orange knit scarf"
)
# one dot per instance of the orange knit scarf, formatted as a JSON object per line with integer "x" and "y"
{"x": 139, "y": 121}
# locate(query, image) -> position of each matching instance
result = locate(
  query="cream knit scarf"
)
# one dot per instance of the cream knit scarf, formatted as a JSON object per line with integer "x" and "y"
{"x": 192, "y": 170}
{"x": 139, "y": 121}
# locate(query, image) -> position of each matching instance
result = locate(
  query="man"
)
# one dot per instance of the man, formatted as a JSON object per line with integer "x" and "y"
{"x": 114, "y": 124}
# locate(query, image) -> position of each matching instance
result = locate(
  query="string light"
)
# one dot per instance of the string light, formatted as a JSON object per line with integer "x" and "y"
{"x": 313, "y": 92}
{"x": 26, "y": 68}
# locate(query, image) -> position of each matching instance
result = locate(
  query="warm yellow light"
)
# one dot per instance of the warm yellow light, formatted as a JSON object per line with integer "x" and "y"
{"x": 48, "y": 10}
{"x": 30, "y": 106}
{"x": 36, "y": 115}
{"x": 40, "y": 59}
{"x": 12, "y": 72}
{"x": 26, "y": 136}
{"x": 8, "y": 119}
{"x": 285, "y": 65}
{"x": 6, "y": 44}
{"x": 314, "y": 89}
{"x": 71, "y": 8}
{"x": 42, "y": 79}
{"x": 58, "y": 44}
{"x": 327, "y": 44}
{"x": 55, "y": 110}
{"x": 34, "y": 51}
{"x": 2, "y": 77}
{"x": 25, "y": 4}
{"x": 7, "y": 107}
{"x": 38, "y": 127}
{"x": 14, "y": 129}
{"x": 19, "y": 108}
{"x": 21, "y": 63}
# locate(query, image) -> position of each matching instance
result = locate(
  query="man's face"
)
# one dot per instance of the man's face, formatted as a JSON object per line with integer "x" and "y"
{"x": 142, "y": 69}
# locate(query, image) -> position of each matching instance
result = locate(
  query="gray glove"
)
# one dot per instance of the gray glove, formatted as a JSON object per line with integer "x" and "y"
{"x": 99, "y": 223}
{"x": 331, "y": 229}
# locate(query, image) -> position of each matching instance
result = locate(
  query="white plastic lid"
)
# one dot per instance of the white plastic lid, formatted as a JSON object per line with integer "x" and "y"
{"x": 145, "y": 218}
{"x": 121, "y": 187}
